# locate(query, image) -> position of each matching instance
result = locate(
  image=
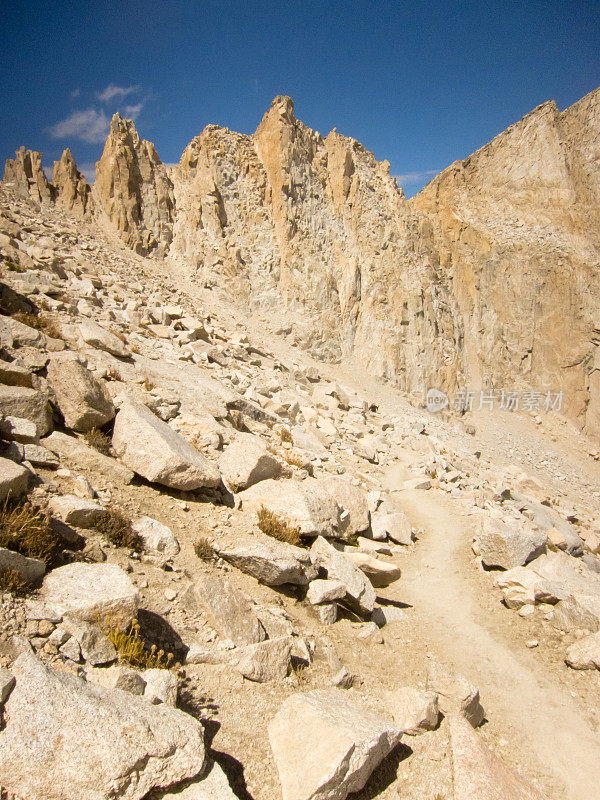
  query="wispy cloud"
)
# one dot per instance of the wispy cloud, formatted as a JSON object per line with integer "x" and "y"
{"x": 75, "y": 93}
{"x": 89, "y": 125}
{"x": 131, "y": 112}
{"x": 113, "y": 91}
{"x": 416, "y": 177}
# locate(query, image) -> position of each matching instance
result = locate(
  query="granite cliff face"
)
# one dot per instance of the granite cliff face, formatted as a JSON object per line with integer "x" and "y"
{"x": 490, "y": 277}
{"x": 517, "y": 230}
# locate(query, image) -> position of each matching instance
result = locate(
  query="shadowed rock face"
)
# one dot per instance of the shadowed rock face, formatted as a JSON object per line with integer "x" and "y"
{"x": 490, "y": 275}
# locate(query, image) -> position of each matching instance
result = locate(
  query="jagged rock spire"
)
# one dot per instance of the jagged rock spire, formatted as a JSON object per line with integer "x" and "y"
{"x": 73, "y": 192}
{"x": 26, "y": 174}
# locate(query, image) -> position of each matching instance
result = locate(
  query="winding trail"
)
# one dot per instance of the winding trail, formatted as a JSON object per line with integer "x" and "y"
{"x": 541, "y": 721}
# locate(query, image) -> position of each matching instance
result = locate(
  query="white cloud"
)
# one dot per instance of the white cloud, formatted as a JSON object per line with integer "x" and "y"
{"x": 113, "y": 91}
{"x": 416, "y": 177}
{"x": 89, "y": 125}
{"x": 131, "y": 112}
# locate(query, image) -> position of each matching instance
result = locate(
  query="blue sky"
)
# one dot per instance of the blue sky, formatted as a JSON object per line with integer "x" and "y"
{"x": 418, "y": 83}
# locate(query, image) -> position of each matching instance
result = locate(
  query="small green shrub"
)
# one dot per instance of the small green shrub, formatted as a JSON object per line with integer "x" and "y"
{"x": 26, "y": 530}
{"x": 116, "y": 527}
{"x": 278, "y": 528}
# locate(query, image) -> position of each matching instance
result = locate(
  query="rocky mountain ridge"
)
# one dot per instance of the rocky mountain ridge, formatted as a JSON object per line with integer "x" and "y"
{"x": 473, "y": 284}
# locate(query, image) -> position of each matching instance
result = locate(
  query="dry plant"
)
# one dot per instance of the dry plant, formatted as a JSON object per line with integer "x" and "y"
{"x": 278, "y": 528}
{"x": 204, "y": 549}
{"x": 40, "y": 322}
{"x": 12, "y": 581}
{"x": 116, "y": 527}
{"x": 99, "y": 441}
{"x": 286, "y": 436}
{"x": 132, "y": 648}
{"x": 27, "y": 531}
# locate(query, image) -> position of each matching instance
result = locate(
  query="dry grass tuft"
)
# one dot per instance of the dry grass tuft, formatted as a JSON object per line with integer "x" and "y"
{"x": 293, "y": 459}
{"x": 278, "y": 528}
{"x": 12, "y": 581}
{"x": 286, "y": 436}
{"x": 116, "y": 527}
{"x": 40, "y": 322}
{"x": 99, "y": 441}
{"x": 204, "y": 549}
{"x": 133, "y": 649}
{"x": 27, "y": 531}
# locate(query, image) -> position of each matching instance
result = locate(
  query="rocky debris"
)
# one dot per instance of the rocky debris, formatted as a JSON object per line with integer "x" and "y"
{"x": 415, "y": 711}
{"x": 270, "y": 561}
{"x": 325, "y": 591}
{"x": 30, "y": 569}
{"x": 455, "y": 694}
{"x": 265, "y": 661}
{"x": 479, "y": 773}
{"x": 572, "y": 575}
{"x": 327, "y": 613}
{"x": 14, "y": 479}
{"x": 98, "y": 337}
{"x": 20, "y": 430}
{"x": 84, "y": 402}
{"x": 157, "y": 538}
{"x": 95, "y": 647}
{"x": 522, "y": 586}
{"x": 585, "y": 653}
{"x": 132, "y": 190}
{"x": 26, "y": 173}
{"x": 117, "y": 676}
{"x": 153, "y": 450}
{"x": 31, "y": 404}
{"x": 161, "y": 686}
{"x": 569, "y": 615}
{"x": 380, "y": 573}
{"x": 326, "y": 745}
{"x": 506, "y": 545}
{"x": 359, "y": 591}
{"x": 304, "y": 504}
{"x": 39, "y": 456}
{"x": 228, "y": 610}
{"x": 92, "y": 592}
{"x": 136, "y": 746}
{"x": 87, "y": 457}
{"x": 77, "y": 511}
{"x": 247, "y": 461}
{"x": 73, "y": 192}
{"x": 213, "y": 785}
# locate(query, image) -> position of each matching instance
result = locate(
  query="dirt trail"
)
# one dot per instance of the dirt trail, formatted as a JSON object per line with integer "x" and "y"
{"x": 544, "y": 728}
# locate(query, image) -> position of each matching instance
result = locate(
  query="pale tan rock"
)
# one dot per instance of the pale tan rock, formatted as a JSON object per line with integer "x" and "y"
{"x": 273, "y": 562}
{"x": 30, "y": 569}
{"x": 229, "y": 612}
{"x": 414, "y": 710}
{"x": 326, "y": 745}
{"x": 157, "y": 538}
{"x": 132, "y": 191}
{"x": 31, "y": 404}
{"x": 14, "y": 479}
{"x": 156, "y": 452}
{"x": 479, "y": 774}
{"x": 380, "y": 573}
{"x": 265, "y": 661}
{"x": 359, "y": 591}
{"x": 87, "y": 457}
{"x": 97, "y": 336}
{"x": 456, "y": 695}
{"x": 136, "y": 746}
{"x": 585, "y": 653}
{"x": 26, "y": 174}
{"x": 507, "y": 545}
{"x": 84, "y": 402}
{"x": 73, "y": 192}
{"x": 247, "y": 461}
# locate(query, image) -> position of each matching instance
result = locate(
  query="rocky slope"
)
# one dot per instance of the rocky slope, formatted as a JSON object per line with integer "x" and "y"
{"x": 473, "y": 284}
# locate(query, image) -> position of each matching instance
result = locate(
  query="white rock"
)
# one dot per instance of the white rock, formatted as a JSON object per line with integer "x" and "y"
{"x": 585, "y": 653}
{"x": 267, "y": 559}
{"x": 212, "y": 785}
{"x": 77, "y": 511}
{"x": 156, "y": 536}
{"x": 325, "y": 591}
{"x": 326, "y": 746}
{"x": 265, "y": 661}
{"x": 414, "y": 710}
{"x": 380, "y": 573}
{"x": 247, "y": 461}
{"x": 136, "y": 746}
{"x": 508, "y": 545}
{"x": 84, "y": 402}
{"x": 14, "y": 479}
{"x": 92, "y": 592}
{"x": 101, "y": 339}
{"x": 456, "y": 695}
{"x": 161, "y": 686}
{"x": 359, "y": 591}
{"x": 151, "y": 448}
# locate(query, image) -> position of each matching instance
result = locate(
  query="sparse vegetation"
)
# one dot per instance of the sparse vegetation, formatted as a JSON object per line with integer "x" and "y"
{"x": 99, "y": 441}
{"x": 119, "y": 334}
{"x": 278, "y": 528}
{"x": 113, "y": 374}
{"x": 116, "y": 527}
{"x": 26, "y": 530}
{"x": 293, "y": 459}
{"x": 12, "y": 581}
{"x": 40, "y": 322}
{"x": 12, "y": 266}
{"x": 132, "y": 648}
{"x": 286, "y": 436}
{"x": 148, "y": 384}
{"x": 204, "y": 549}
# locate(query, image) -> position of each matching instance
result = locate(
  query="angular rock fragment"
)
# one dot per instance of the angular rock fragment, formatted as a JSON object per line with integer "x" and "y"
{"x": 14, "y": 479}
{"x": 509, "y": 545}
{"x": 267, "y": 559}
{"x": 83, "y": 401}
{"x": 359, "y": 591}
{"x": 156, "y": 536}
{"x": 585, "y": 653}
{"x": 228, "y": 610}
{"x": 247, "y": 461}
{"x": 414, "y": 710}
{"x": 455, "y": 694}
{"x": 265, "y": 661}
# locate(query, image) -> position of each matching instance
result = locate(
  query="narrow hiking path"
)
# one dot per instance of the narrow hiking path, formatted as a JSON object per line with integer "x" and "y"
{"x": 542, "y": 725}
